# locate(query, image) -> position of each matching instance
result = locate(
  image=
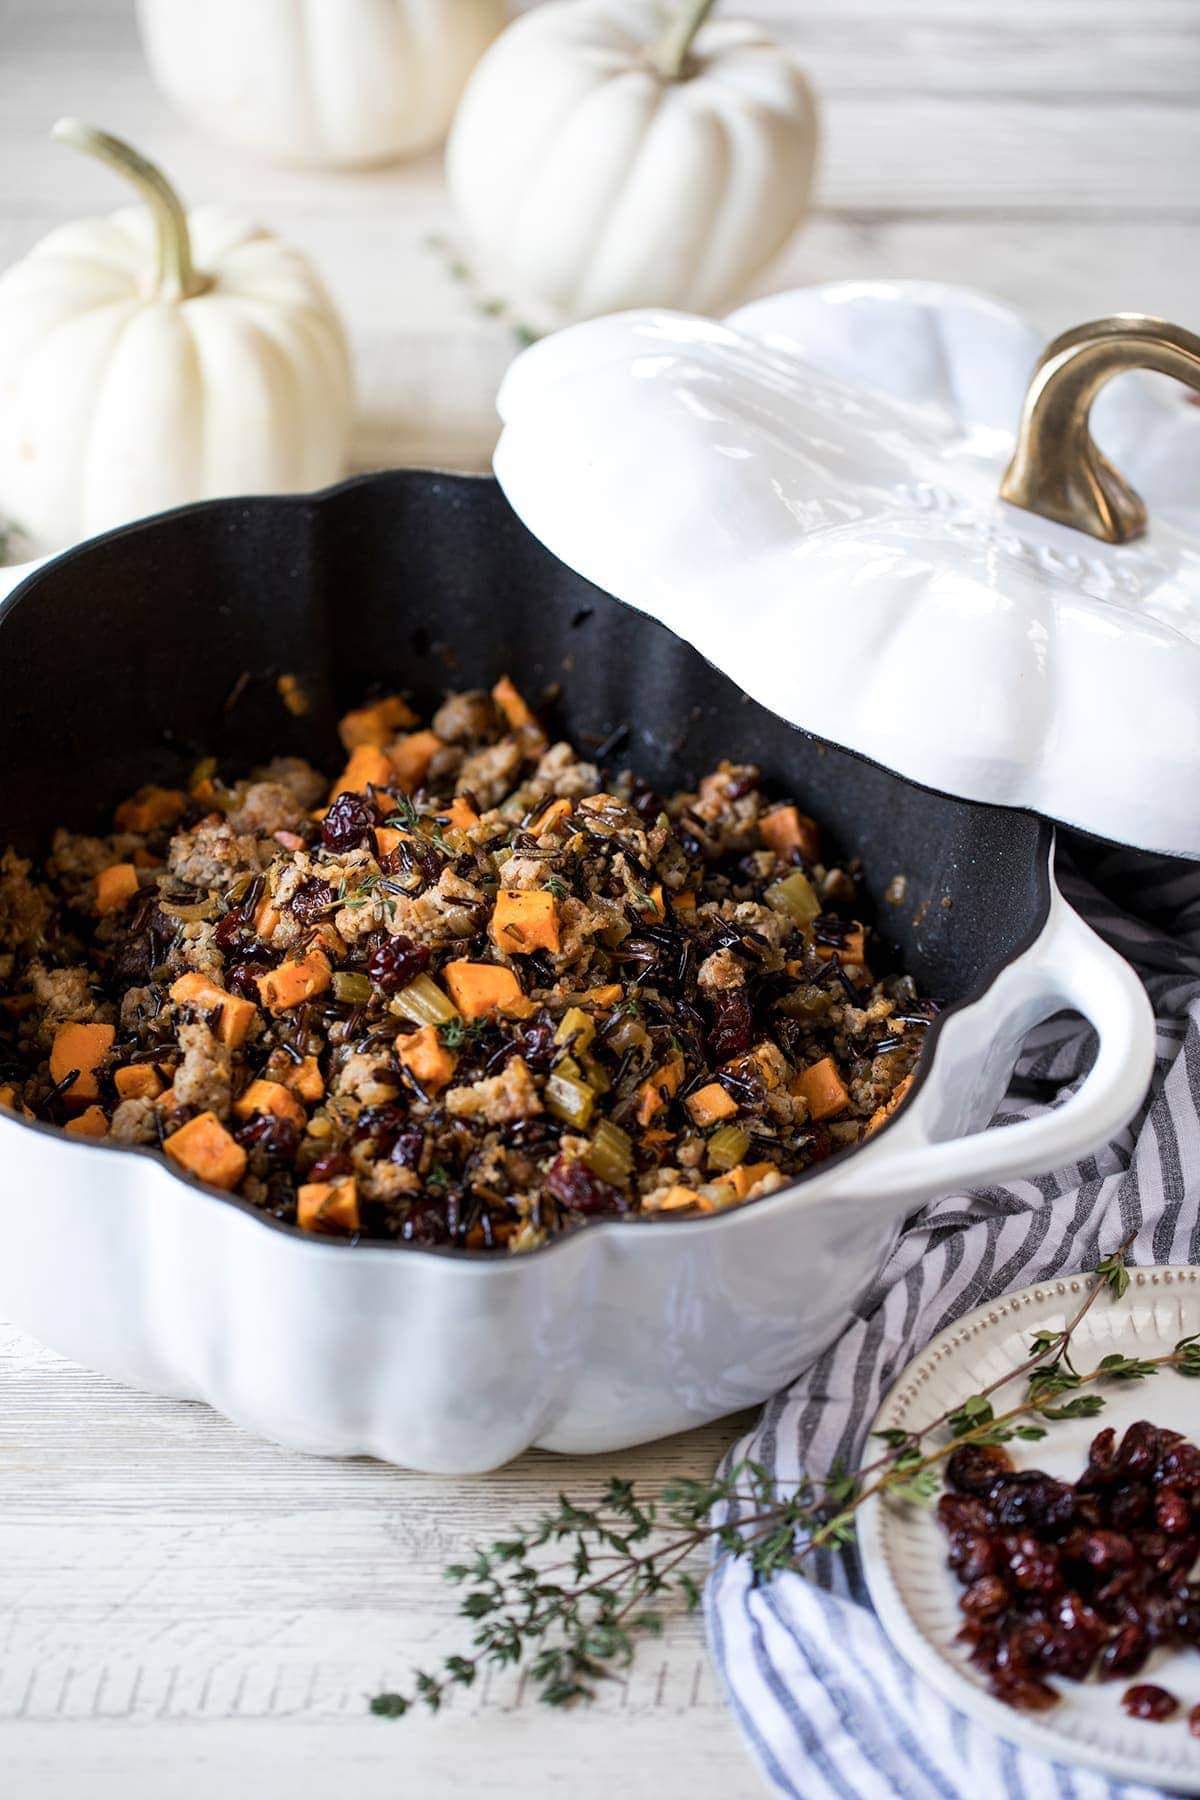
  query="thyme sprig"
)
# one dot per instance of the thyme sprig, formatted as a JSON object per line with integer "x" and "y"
{"x": 573, "y": 1592}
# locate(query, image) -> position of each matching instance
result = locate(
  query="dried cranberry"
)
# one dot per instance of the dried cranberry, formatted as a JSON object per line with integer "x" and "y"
{"x": 408, "y": 1147}
{"x": 1130, "y": 1504}
{"x": 537, "y": 1044}
{"x": 396, "y": 962}
{"x": 574, "y": 1186}
{"x": 732, "y": 1030}
{"x": 1102, "y": 1458}
{"x": 985, "y": 1598}
{"x": 134, "y": 961}
{"x": 1103, "y": 1551}
{"x": 350, "y": 821}
{"x": 962, "y": 1512}
{"x": 1149, "y": 1702}
{"x": 1180, "y": 1465}
{"x": 972, "y": 1555}
{"x": 329, "y": 1166}
{"x": 242, "y": 977}
{"x": 1140, "y": 1449}
{"x": 1025, "y": 1694}
{"x": 278, "y": 1137}
{"x": 425, "y": 1223}
{"x": 1032, "y": 1501}
{"x": 1173, "y": 1511}
{"x": 1033, "y": 1566}
{"x": 1125, "y": 1654}
{"x": 311, "y": 900}
{"x": 976, "y": 1468}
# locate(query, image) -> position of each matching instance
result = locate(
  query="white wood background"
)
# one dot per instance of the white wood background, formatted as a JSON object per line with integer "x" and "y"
{"x": 183, "y": 1611}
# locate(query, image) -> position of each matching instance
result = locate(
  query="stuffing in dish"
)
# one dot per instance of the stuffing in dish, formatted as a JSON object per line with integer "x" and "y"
{"x": 475, "y": 993}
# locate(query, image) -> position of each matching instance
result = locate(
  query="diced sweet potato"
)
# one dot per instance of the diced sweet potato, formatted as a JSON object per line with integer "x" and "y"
{"x": 602, "y": 998}
{"x": 785, "y": 829}
{"x": 660, "y": 1086}
{"x": 746, "y": 1176}
{"x": 234, "y": 1016}
{"x": 8, "y": 1097}
{"x": 823, "y": 1088}
{"x": 271, "y": 1097}
{"x": 115, "y": 887}
{"x": 411, "y": 758}
{"x": 149, "y": 807}
{"x": 512, "y": 704}
{"x": 387, "y": 838}
{"x": 684, "y": 904}
{"x": 710, "y": 1104}
{"x": 138, "y": 1081}
{"x": 481, "y": 988}
{"x": 290, "y": 840}
{"x": 376, "y": 724}
{"x": 266, "y": 917}
{"x": 91, "y": 1123}
{"x": 852, "y": 948}
{"x": 84, "y": 1048}
{"x": 205, "y": 1149}
{"x": 367, "y": 766}
{"x": 424, "y": 1053}
{"x": 552, "y": 815}
{"x": 328, "y": 1206}
{"x": 882, "y": 1114}
{"x": 524, "y": 919}
{"x": 460, "y": 815}
{"x": 295, "y": 981}
{"x": 304, "y": 1078}
{"x": 678, "y": 1198}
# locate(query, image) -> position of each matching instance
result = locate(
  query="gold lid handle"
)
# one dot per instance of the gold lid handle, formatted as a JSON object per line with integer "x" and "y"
{"x": 1056, "y": 469}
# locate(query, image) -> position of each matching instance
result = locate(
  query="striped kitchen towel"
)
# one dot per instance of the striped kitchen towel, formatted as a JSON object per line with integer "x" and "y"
{"x": 828, "y": 1709}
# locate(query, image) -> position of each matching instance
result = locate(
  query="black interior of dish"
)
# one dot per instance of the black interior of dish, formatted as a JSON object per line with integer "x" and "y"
{"x": 128, "y": 659}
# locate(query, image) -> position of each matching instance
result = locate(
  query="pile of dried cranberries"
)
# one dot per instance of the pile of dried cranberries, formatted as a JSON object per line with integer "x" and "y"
{"x": 1065, "y": 1579}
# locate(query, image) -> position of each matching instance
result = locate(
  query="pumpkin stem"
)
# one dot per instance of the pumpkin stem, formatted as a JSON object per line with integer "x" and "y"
{"x": 670, "y": 54}
{"x": 175, "y": 276}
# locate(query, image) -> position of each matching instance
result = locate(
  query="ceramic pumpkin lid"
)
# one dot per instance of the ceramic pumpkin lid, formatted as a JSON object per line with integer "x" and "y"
{"x": 810, "y": 493}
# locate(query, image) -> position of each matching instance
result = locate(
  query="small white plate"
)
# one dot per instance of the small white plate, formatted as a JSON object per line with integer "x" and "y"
{"x": 903, "y": 1547}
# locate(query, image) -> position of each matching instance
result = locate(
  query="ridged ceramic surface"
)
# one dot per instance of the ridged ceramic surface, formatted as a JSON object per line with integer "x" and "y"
{"x": 808, "y": 493}
{"x": 904, "y": 1549}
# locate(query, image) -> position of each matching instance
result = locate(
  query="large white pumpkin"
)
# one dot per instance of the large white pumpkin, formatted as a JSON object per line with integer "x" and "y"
{"x": 620, "y": 153}
{"x": 147, "y": 360}
{"x": 323, "y": 82}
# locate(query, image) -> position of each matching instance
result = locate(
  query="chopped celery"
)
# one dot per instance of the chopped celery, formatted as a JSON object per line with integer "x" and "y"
{"x": 727, "y": 1146}
{"x": 610, "y": 1153}
{"x": 576, "y": 1028}
{"x": 570, "y": 1100}
{"x": 424, "y": 1003}
{"x": 355, "y": 989}
{"x": 794, "y": 897}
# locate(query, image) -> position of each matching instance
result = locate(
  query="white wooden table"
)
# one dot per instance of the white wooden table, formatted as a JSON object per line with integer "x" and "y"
{"x": 185, "y": 1612}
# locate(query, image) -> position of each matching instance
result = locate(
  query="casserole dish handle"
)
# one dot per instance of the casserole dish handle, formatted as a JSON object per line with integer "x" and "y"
{"x": 934, "y": 1145}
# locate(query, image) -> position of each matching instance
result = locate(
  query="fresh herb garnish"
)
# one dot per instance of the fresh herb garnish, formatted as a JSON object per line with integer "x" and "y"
{"x": 577, "y": 1588}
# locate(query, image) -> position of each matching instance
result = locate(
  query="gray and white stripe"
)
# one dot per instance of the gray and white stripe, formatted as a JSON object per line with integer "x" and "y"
{"x": 828, "y": 1709}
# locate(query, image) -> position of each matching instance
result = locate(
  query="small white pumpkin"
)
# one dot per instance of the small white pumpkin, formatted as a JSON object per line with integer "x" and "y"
{"x": 609, "y": 154}
{"x": 155, "y": 357}
{"x": 330, "y": 83}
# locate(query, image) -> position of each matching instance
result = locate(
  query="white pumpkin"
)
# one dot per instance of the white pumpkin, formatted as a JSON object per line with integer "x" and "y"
{"x": 330, "y": 83}
{"x": 614, "y": 153}
{"x": 152, "y": 358}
